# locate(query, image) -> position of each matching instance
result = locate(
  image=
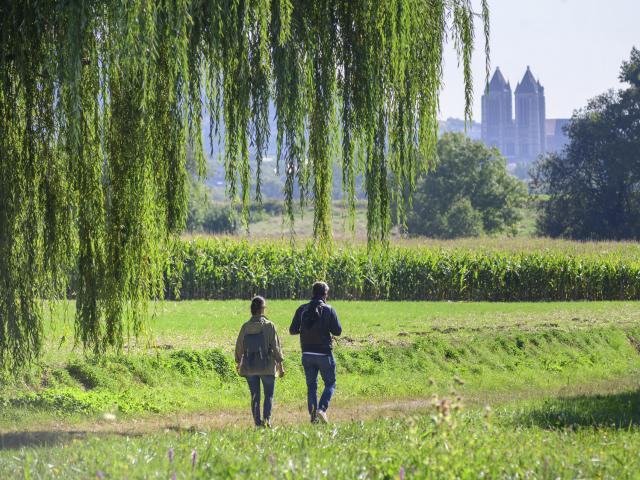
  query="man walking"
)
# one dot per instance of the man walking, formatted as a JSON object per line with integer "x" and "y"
{"x": 316, "y": 321}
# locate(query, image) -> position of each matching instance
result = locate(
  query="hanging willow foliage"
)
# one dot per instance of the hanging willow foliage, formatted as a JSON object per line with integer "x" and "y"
{"x": 100, "y": 99}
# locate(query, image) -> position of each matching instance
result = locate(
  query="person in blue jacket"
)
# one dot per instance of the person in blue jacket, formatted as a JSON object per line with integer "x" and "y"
{"x": 316, "y": 322}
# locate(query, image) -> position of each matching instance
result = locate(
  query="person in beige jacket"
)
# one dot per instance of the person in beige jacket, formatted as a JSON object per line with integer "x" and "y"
{"x": 259, "y": 358}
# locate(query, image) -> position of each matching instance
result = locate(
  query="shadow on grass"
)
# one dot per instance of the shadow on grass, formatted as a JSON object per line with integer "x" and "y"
{"x": 16, "y": 440}
{"x": 34, "y": 439}
{"x": 616, "y": 411}
{"x": 50, "y": 438}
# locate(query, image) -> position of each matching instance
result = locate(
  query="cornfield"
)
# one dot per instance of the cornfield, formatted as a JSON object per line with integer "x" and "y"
{"x": 222, "y": 269}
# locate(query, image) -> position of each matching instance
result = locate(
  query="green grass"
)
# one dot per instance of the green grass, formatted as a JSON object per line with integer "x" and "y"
{"x": 215, "y": 324}
{"x": 393, "y": 357}
{"x": 186, "y": 380}
{"x": 202, "y": 324}
{"x": 388, "y": 350}
{"x": 585, "y": 437}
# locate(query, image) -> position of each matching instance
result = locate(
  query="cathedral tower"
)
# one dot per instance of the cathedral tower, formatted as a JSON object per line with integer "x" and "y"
{"x": 497, "y": 117}
{"x": 530, "y": 118}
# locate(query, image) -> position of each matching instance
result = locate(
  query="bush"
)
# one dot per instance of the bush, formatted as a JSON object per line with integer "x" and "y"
{"x": 469, "y": 193}
{"x": 212, "y": 218}
{"x": 206, "y": 216}
{"x": 461, "y": 220}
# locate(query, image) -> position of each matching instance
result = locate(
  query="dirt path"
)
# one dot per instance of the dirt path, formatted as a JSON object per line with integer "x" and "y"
{"x": 288, "y": 414}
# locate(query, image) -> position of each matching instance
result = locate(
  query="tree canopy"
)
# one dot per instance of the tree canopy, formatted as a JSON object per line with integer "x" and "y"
{"x": 99, "y": 100}
{"x": 468, "y": 193}
{"x": 593, "y": 186}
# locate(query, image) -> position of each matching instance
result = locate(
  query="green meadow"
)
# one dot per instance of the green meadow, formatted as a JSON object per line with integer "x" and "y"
{"x": 564, "y": 439}
{"x": 215, "y": 324}
{"x": 431, "y": 389}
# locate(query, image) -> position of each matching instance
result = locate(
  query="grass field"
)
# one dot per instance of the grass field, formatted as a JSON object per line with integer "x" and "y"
{"x": 215, "y": 324}
{"x": 544, "y": 439}
{"x": 561, "y": 380}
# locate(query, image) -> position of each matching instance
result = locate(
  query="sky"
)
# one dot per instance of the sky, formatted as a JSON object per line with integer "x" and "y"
{"x": 574, "y": 47}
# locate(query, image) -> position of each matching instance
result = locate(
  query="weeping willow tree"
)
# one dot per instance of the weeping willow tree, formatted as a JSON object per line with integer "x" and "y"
{"x": 99, "y": 100}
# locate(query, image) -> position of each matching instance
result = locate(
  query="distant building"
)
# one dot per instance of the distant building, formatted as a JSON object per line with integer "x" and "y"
{"x": 530, "y": 118}
{"x": 530, "y": 134}
{"x": 556, "y": 137}
{"x": 471, "y": 130}
{"x": 497, "y": 116}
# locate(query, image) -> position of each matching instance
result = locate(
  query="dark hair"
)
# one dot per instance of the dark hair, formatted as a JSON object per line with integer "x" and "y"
{"x": 257, "y": 304}
{"x": 319, "y": 289}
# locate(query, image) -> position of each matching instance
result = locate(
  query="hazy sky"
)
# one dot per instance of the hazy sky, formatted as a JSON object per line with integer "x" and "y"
{"x": 574, "y": 47}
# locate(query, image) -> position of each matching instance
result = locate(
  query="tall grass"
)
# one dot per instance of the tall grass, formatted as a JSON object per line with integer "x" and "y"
{"x": 221, "y": 268}
{"x": 447, "y": 441}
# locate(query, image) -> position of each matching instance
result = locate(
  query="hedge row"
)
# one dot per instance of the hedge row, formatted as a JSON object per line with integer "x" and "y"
{"x": 221, "y": 269}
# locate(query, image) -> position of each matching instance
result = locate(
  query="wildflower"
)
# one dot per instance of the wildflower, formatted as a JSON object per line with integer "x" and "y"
{"x": 401, "y": 473}
{"x": 194, "y": 458}
{"x": 174, "y": 476}
{"x": 170, "y": 455}
{"x": 100, "y": 474}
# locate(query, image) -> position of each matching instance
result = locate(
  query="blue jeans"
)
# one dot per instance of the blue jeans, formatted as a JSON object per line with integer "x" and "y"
{"x": 326, "y": 365}
{"x": 268, "y": 383}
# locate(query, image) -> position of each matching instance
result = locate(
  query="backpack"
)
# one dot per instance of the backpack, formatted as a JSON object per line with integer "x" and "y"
{"x": 255, "y": 352}
{"x": 312, "y": 325}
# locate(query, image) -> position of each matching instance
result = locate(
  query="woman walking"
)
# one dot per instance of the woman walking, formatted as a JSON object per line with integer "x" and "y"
{"x": 259, "y": 358}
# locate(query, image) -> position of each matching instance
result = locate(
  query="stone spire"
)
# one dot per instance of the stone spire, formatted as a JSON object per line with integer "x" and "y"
{"x": 530, "y": 118}
{"x": 498, "y": 83}
{"x": 528, "y": 84}
{"x": 497, "y": 116}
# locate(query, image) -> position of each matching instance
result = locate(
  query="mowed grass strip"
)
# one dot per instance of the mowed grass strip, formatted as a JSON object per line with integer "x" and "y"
{"x": 202, "y": 324}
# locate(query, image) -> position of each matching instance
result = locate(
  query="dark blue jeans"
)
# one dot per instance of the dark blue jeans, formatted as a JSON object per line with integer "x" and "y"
{"x": 268, "y": 383}
{"x": 326, "y": 365}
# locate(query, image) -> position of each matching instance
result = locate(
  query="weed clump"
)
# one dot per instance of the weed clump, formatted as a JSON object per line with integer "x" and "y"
{"x": 89, "y": 375}
{"x": 194, "y": 362}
